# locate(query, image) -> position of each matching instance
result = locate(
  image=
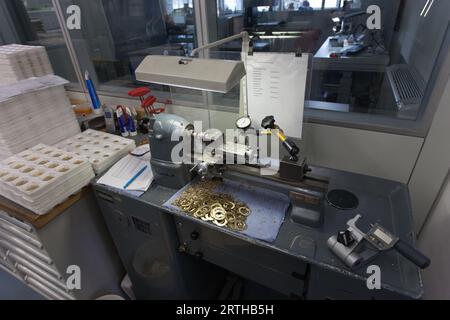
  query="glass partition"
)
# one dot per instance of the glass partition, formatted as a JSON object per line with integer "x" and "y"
{"x": 116, "y": 35}
{"x": 36, "y": 23}
{"x": 362, "y": 62}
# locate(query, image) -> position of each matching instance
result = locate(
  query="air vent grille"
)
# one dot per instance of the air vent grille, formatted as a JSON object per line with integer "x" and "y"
{"x": 407, "y": 86}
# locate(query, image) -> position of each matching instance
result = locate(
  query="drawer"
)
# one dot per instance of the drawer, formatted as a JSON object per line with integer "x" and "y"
{"x": 263, "y": 265}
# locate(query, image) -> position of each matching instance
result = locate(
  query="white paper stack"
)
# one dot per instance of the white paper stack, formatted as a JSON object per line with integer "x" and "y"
{"x": 102, "y": 149}
{"x": 20, "y": 62}
{"x": 35, "y": 111}
{"x": 43, "y": 177}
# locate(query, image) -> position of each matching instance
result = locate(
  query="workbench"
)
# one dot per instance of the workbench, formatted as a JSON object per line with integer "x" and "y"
{"x": 298, "y": 264}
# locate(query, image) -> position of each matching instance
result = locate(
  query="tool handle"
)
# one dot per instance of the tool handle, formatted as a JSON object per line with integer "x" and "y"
{"x": 410, "y": 253}
{"x": 292, "y": 148}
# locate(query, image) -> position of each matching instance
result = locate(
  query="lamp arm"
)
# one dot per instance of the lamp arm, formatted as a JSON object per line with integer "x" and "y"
{"x": 243, "y": 35}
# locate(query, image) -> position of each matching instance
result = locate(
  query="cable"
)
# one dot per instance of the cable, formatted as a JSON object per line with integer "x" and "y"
{"x": 139, "y": 155}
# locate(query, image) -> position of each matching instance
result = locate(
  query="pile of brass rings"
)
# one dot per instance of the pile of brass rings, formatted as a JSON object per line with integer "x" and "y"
{"x": 201, "y": 202}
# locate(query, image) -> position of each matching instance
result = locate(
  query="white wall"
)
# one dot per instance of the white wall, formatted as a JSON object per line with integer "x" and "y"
{"x": 434, "y": 243}
{"x": 376, "y": 154}
{"x": 433, "y": 163}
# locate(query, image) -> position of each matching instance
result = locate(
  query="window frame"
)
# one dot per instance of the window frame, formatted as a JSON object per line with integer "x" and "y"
{"x": 205, "y": 31}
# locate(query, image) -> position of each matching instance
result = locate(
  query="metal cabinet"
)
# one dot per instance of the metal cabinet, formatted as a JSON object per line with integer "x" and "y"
{"x": 148, "y": 245}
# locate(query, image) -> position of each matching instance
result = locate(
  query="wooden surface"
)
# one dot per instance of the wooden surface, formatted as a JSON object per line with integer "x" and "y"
{"x": 37, "y": 221}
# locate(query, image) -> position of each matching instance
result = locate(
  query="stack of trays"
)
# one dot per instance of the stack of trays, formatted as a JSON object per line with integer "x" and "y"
{"x": 35, "y": 111}
{"x": 102, "y": 149}
{"x": 43, "y": 177}
{"x": 19, "y": 62}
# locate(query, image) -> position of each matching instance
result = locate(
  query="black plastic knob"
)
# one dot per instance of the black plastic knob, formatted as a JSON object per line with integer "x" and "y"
{"x": 345, "y": 238}
{"x": 268, "y": 122}
{"x": 199, "y": 255}
{"x": 195, "y": 235}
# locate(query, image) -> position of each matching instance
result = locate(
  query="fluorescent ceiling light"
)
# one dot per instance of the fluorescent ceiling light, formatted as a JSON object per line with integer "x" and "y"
{"x": 201, "y": 74}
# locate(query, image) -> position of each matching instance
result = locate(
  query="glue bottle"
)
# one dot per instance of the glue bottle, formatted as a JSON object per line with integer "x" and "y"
{"x": 109, "y": 119}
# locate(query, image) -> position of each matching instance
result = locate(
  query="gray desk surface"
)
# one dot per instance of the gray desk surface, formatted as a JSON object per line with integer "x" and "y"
{"x": 363, "y": 61}
{"x": 381, "y": 201}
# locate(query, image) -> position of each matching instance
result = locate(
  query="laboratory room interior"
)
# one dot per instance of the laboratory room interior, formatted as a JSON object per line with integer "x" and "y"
{"x": 224, "y": 150}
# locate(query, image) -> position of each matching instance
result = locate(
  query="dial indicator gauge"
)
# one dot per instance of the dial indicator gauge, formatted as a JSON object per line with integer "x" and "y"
{"x": 243, "y": 123}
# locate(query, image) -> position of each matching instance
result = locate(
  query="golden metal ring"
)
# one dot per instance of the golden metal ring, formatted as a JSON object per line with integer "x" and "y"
{"x": 232, "y": 225}
{"x": 220, "y": 217}
{"x": 216, "y": 205}
{"x": 186, "y": 203}
{"x": 207, "y": 218}
{"x": 244, "y": 211}
{"x": 221, "y": 224}
{"x": 230, "y": 217}
{"x": 218, "y": 208}
{"x": 240, "y": 225}
{"x": 199, "y": 214}
{"x": 232, "y": 205}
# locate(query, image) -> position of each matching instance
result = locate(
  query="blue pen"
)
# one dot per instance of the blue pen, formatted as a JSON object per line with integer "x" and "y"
{"x": 135, "y": 177}
{"x": 96, "y": 104}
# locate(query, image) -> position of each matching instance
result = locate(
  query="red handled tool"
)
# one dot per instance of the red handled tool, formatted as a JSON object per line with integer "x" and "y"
{"x": 147, "y": 103}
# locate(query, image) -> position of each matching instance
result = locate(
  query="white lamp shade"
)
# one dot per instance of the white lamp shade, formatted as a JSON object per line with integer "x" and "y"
{"x": 201, "y": 74}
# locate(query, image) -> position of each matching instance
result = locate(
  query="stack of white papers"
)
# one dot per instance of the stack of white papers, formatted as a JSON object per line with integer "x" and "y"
{"x": 19, "y": 62}
{"x": 102, "y": 149}
{"x": 35, "y": 111}
{"x": 133, "y": 173}
{"x": 43, "y": 177}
